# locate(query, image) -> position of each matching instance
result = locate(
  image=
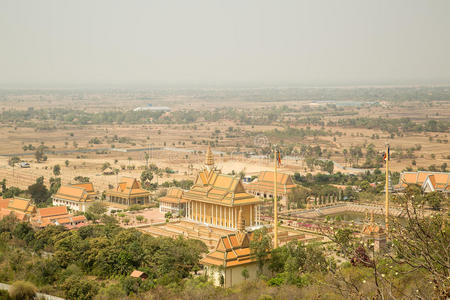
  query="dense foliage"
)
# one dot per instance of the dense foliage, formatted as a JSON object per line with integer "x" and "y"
{"x": 59, "y": 259}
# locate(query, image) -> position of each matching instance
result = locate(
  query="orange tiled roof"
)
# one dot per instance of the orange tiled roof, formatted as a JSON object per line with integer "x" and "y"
{"x": 88, "y": 186}
{"x": 52, "y": 211}
{"x": 20, "y": 204}
{"x": 72, "y": 193}
{"x": 79, "y": 218}
{"x": 213, "y": 187}
{"x": 128, "y": 186}
{"x": 4, "y": 203}
{"x": 265, "y": 182}
{"x": 231, "y": 250}
{"x": 57, "y": 215}
{"x": 439, "y": 181}
{"x": 21, "y": 216}
{"x": 174, "y": 195}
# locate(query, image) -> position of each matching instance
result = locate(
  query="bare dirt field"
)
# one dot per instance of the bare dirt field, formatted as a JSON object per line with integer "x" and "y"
{"x": 233, "y": 127}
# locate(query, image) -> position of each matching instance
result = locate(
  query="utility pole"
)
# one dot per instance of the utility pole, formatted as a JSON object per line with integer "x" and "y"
{"x": 275, "y": 200}
{"x": 387, "y": 188}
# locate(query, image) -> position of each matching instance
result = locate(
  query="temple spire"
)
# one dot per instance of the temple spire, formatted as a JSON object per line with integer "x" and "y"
{"x": 209, "y": 159}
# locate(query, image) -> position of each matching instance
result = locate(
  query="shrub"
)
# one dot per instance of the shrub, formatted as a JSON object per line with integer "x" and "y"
{"x": 22, "y": 290}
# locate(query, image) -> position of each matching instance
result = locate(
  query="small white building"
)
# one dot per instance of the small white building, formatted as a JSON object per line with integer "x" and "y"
{"x": 173, "y": 201}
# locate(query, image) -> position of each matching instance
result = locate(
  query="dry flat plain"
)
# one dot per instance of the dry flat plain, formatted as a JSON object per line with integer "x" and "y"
{"x": 240, "y": 124}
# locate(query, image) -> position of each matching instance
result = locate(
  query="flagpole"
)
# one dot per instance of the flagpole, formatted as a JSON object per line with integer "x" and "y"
{"x": 387, "y": 188}
{"x": 275, "y": 201}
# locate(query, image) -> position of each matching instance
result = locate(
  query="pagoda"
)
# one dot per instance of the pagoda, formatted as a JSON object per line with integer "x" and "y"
{"x": 215, "y": 199}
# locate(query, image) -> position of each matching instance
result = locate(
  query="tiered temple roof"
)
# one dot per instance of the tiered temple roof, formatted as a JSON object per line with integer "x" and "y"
{"x": 231, "y": 250}
{"x": 77, "y": 193}
{"x": 174, "y": 195}
{"x": 128, "y": 186}
{"x": 211, "y": 186}
{"x": 265, "y": 182}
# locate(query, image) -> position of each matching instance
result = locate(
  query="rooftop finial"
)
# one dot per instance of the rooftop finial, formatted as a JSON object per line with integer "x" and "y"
{"x": 209, "y": 160}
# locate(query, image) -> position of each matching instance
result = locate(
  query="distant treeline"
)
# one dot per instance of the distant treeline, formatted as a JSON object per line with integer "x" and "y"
{"x": 393, "y": 125}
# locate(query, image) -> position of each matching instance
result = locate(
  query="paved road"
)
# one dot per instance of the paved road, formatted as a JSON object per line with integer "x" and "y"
{"x": 4, "y": 286}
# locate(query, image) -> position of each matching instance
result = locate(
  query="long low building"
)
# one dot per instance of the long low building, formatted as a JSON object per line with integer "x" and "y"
{"x": 58, "y": 215}
{"x": 77, "y": 197}
{"x": 428, "y": 181}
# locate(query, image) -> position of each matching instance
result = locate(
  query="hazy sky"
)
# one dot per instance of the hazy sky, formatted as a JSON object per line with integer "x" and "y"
{"x": 183, "y": 41}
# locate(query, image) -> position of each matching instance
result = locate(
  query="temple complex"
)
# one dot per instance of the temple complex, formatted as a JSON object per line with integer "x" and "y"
{"x": 128, "y": 192}
{"x": 216, "y": 199}
{"x": 263, "y": 186}
{"x": 77, "y": 197}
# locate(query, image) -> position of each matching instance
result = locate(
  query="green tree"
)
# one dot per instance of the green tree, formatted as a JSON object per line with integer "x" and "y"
{"x": 146, "y": 178}
{"x": 56, "y": 170}
{"x": 38, "y": 191}
{"x": 329, "y": 166}
{"x": 79, "y": 288}
{"x": 245, "y": 273}
{"x": 13, "y": 160}
{"x": 261, "y": 246}
{"x": 40, "y": 153}
{"x": 81, "y": 179}
{"x": 55, "y": 184}
{"x": 435, "y": 200}
{"x": 96, "y": 210}
{"x": 67, "y": 163}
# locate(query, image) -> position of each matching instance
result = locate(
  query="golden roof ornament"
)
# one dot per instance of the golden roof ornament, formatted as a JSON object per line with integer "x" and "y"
{"x": 209, "y": 160}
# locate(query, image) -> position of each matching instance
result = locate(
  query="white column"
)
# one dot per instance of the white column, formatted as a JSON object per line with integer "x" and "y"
{"x": 251, "y": 221}
{"x": 232, "y": 217}
{"x": 204, "y": 213}
{"x": 224, "y": 216}
{"x": 221, "y": 221}
{"x": 229, "y": 217}
{"x": 216, "y": 214}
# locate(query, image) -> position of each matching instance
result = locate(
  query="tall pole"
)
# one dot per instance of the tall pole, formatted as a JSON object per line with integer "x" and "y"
{"x": 275, "y": 202}
{"x": 387, "y": 189}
